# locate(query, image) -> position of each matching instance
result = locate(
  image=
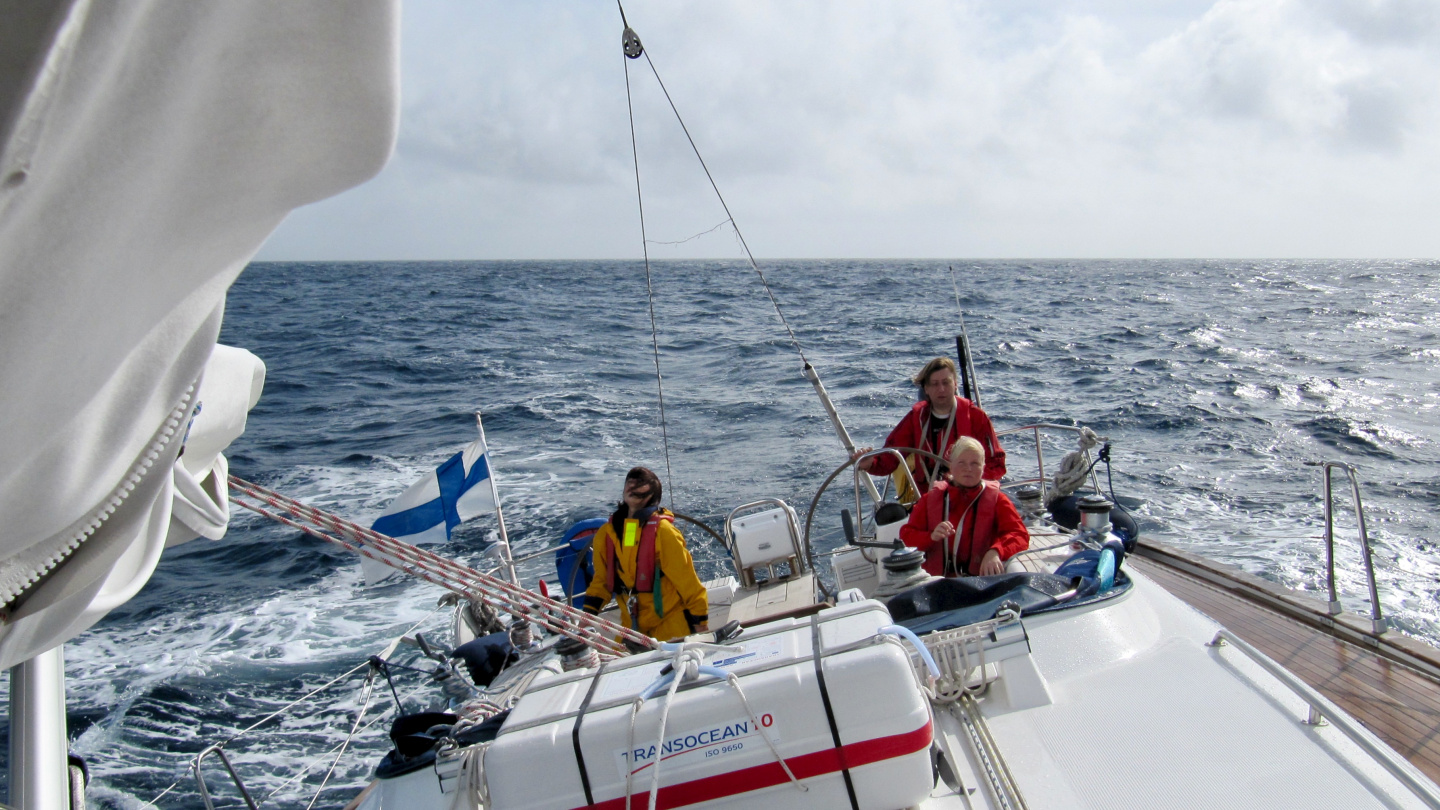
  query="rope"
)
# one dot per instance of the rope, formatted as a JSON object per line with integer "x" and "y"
{"x": 558, "y": 617}
{"x": 690, "y": 238}
{"x": 1073, "y": 467}
{"x": 436, "y": 569}
{"x": 687, "y": 664}
{"x": 645, "y": 252}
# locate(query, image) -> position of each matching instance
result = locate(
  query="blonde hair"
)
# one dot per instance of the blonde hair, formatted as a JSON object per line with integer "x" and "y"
{"x": 932, "y": 367}
{"x": 961, "y": 445}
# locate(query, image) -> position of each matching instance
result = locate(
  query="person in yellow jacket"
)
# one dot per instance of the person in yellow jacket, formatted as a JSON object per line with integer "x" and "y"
{"x": 641, "y": 560}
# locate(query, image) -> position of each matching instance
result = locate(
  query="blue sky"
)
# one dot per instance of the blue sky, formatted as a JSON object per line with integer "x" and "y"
{"x": 1027, "y": 128}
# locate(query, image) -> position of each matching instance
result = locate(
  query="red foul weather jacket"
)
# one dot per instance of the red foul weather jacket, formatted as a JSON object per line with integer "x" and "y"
{"x": 985, "y": 517}
{"x": 970, "y": 420}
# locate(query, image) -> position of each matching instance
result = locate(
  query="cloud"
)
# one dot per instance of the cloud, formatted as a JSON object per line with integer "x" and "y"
{"x": 1240, "y": 127}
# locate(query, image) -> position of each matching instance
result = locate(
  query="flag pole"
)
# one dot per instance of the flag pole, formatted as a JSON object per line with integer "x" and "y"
{"x": 507, "y": 559}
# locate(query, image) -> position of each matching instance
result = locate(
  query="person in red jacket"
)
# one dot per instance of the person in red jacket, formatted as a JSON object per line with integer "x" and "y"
{"x": 934, "y": 424}
{"x": 966, "y": 525}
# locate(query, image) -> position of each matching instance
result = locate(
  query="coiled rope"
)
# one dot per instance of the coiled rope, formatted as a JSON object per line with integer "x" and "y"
{"x": 557, "y": 617}
{"x": 1075, "y": 466}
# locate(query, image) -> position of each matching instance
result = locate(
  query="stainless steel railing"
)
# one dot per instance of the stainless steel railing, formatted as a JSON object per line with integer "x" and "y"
{"x": 1377, "y": 621}
{"x": 1042, "y": 480}
{"x": 200, "y": 778}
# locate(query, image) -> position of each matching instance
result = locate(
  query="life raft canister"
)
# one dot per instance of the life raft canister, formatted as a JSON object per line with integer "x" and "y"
{"x": 647, "y": 562}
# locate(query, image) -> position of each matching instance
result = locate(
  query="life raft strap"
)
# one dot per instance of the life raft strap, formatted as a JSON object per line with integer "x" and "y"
{"x": 830, "y": 711}
{"x": 575, "y": 733}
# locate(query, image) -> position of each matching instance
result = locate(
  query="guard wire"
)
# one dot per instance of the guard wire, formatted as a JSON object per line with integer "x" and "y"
{"x": 354, "y": 728}
{"x": 317, "y": 690}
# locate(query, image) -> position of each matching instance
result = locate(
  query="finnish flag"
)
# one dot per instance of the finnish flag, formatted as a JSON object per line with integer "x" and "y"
{"x": 457, "y": 490}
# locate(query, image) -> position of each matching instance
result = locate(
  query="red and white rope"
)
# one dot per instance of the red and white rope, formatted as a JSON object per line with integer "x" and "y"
{"x": 460, "y": 579}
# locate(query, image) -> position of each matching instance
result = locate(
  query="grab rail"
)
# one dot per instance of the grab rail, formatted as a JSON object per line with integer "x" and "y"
{"x": 802, "y": 559}
{"x": 200, "y": 778}
{"x": 1320, "y": 709}
{"x": 1377, "y": 621}
{"x": 1040, "y": 456}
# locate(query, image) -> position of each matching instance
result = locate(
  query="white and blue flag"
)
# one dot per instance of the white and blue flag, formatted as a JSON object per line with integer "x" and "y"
{"x": 462, "y": 487}
{"x": 459, "y": 489}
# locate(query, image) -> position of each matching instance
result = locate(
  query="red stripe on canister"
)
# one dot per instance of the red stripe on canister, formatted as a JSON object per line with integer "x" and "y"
{"x": 805, "y": 766}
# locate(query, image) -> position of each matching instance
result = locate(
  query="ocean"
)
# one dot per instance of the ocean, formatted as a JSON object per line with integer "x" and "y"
{"x": 1214, "y": 380}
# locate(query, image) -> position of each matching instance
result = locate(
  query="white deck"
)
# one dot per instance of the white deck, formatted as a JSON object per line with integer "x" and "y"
{"x": 1145, "y": 715}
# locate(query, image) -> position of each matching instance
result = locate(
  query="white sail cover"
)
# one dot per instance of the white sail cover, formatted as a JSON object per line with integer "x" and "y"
{"x": 147, "y": 149}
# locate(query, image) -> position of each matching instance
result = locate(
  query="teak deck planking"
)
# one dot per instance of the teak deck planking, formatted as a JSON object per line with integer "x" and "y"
{"x": 1399, "y": 705}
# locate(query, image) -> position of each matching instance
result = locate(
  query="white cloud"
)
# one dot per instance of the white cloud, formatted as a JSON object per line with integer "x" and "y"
{"x": 1243, "y": 127}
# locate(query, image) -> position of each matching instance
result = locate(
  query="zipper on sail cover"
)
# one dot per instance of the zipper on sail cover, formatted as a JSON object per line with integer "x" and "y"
{"x": 142, "y": 467}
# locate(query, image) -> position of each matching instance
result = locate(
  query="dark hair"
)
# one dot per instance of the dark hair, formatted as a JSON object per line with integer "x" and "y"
{"x": 643, "y": 475}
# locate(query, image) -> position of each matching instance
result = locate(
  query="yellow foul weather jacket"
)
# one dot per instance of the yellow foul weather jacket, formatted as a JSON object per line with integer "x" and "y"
{"x": 683, "y": 602}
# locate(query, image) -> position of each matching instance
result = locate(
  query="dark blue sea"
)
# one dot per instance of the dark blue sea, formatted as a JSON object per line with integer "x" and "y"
{"x": 1215, "y": 381}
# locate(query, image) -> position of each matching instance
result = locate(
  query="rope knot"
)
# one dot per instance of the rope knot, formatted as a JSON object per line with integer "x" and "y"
{"x": 687, "y": 663}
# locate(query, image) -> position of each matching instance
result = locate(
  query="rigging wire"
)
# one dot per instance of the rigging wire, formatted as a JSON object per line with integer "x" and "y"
{"x": 716, "y": 188}
{"x": 955, "y": 285}
{"x": 969, "y": 369}
{"x": 626, "y": 40}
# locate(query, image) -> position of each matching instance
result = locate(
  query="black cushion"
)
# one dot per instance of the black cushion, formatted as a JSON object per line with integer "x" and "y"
{"x": 486, "y": 657}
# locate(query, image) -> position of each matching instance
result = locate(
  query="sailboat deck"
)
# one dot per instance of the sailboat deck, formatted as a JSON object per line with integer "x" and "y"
{"x": 1397, "y": 703}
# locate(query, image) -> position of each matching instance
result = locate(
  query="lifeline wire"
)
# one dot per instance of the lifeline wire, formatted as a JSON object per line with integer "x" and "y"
{"x": 649, "y": 290}
{"x": 359, "y": 716}
{"x": 317, "y": 690}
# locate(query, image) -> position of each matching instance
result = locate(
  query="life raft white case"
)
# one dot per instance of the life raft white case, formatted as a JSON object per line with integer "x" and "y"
{"x": 712, "y": 756}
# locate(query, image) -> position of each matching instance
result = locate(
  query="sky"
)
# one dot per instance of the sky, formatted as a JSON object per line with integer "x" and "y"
{"x": 916, "y": 129}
